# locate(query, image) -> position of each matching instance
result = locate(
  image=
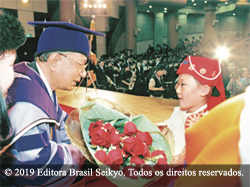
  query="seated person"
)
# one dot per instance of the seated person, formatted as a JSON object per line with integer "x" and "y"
{"x": 133, "y": 67}
{"x": 156, "y": 82}
{"x": 117, "y": 71}
{"x": 103, "y": 81}
{"x": 145, "y": 67}
{"x": 118, "y": 65}
{"x": 110, "y": 71}
{"x": 126, "y": 75}
{"x": 199, "y": 79}
{"x": 139, "y": 72}
{"x": 140, "y": 87}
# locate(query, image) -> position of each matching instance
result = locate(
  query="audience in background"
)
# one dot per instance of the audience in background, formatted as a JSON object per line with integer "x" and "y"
{"x": 145, "y": 64}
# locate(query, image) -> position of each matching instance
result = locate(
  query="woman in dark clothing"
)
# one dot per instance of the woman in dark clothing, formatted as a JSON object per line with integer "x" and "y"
{"x": 156, "y": 84}
{"x": 12, "y": 36}
{"x": 126, "y": 74}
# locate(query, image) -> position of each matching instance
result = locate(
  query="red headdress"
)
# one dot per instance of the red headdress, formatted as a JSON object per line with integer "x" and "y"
{"x": 208, "y": 72}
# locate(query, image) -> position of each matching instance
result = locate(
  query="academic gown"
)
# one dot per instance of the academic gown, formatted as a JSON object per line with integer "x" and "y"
{"x": 44, "y": 146}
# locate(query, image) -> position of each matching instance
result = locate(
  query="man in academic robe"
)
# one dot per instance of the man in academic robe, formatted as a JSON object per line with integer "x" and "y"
{"x": 61, "y": 55}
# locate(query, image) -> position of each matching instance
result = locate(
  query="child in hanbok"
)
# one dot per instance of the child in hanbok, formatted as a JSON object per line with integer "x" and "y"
{"x": 199, "y": 89}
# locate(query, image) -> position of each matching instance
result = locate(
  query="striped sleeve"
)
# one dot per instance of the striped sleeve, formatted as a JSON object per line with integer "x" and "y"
{"x": 36, "y": 147}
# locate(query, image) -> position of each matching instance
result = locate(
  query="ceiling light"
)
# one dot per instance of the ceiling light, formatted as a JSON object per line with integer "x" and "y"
{"x": 150, "y": 6}
{"x": 234, "y": 14}
{"x": 85, "y": 5}
{"x": 95, "y": 6}
{"x": 25, "y": 1}
{"x": 186, "y": 12}
{"x": 165, "y": 11}
{"x": 90, "y": 6}
{"x": 104, "y": 6}
{"x": 226, "y": 3}
{"x": 165, "y": 8}
{"x": 100, "y": 6}
{"x": 205, "y": 1}
{"x": 147, "y": 10}
{"x": 194, "y": 4}
{"x": 222, "y": 52}
{"x": 192, "y": 0}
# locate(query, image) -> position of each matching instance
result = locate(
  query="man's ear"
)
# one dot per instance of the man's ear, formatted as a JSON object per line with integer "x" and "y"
{"x": 205, "y": 90}
{"x": 53, "y": 60}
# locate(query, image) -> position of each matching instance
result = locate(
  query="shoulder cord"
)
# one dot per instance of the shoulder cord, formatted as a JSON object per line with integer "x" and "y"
{"x": 26, "y": 129}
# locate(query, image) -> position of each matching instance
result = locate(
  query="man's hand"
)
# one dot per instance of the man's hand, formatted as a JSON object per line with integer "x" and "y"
{"x": 77, "y": 156}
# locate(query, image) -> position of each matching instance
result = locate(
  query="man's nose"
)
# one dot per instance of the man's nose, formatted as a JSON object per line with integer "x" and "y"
{"x": 83, "y": 74}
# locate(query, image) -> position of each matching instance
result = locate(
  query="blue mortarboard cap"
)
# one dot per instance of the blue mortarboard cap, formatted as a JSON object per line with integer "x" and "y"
{"x": 63, "y": 36}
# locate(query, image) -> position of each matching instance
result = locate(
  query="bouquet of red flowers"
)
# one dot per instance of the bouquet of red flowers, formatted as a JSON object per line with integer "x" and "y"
{"x": 130, "y": 149}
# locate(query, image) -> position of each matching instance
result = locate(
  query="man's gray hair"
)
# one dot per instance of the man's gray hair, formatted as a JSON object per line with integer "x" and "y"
{"x": 44, "y": 57}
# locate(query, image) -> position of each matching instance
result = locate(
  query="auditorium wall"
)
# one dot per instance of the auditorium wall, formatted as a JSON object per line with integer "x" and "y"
{"x": 230, "y": 25}
{"x": 146, "y": 23}
{"x": 227, "y": 25}
{"x": 195, "y": 26}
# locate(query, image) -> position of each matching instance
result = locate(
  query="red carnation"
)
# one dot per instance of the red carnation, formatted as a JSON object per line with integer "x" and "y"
{"x": 110, "y": 129}
{"x": 158, "y": 152}
{"x": 100, "y": 137}
{"x": 145, "y": 137}
{"x": 130, "y": 129}
{"x": 136, "y": 160}
{"x": 115, "y": 158}
{"x": 116, "y": 140}
{"x": 93, "y": 126}
{"x": 102, "y": 156}
{"x": 133, "y": 146}
{"x": 149, "y": 139}
{"x": 161, "y": 165}
{"x": 146, "y": 153}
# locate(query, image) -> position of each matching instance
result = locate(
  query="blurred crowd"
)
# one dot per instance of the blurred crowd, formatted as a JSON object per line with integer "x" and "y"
{"x": 153, "y": 73}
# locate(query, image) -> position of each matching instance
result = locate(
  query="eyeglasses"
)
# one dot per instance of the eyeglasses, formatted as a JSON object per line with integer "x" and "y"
{"x": 83, "y": 66}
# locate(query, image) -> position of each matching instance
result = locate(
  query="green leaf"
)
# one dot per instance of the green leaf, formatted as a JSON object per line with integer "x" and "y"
{"x": 93, "y": 146}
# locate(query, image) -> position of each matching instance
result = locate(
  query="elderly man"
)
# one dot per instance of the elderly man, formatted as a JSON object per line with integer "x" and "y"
{"x": 60, "y": 62}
